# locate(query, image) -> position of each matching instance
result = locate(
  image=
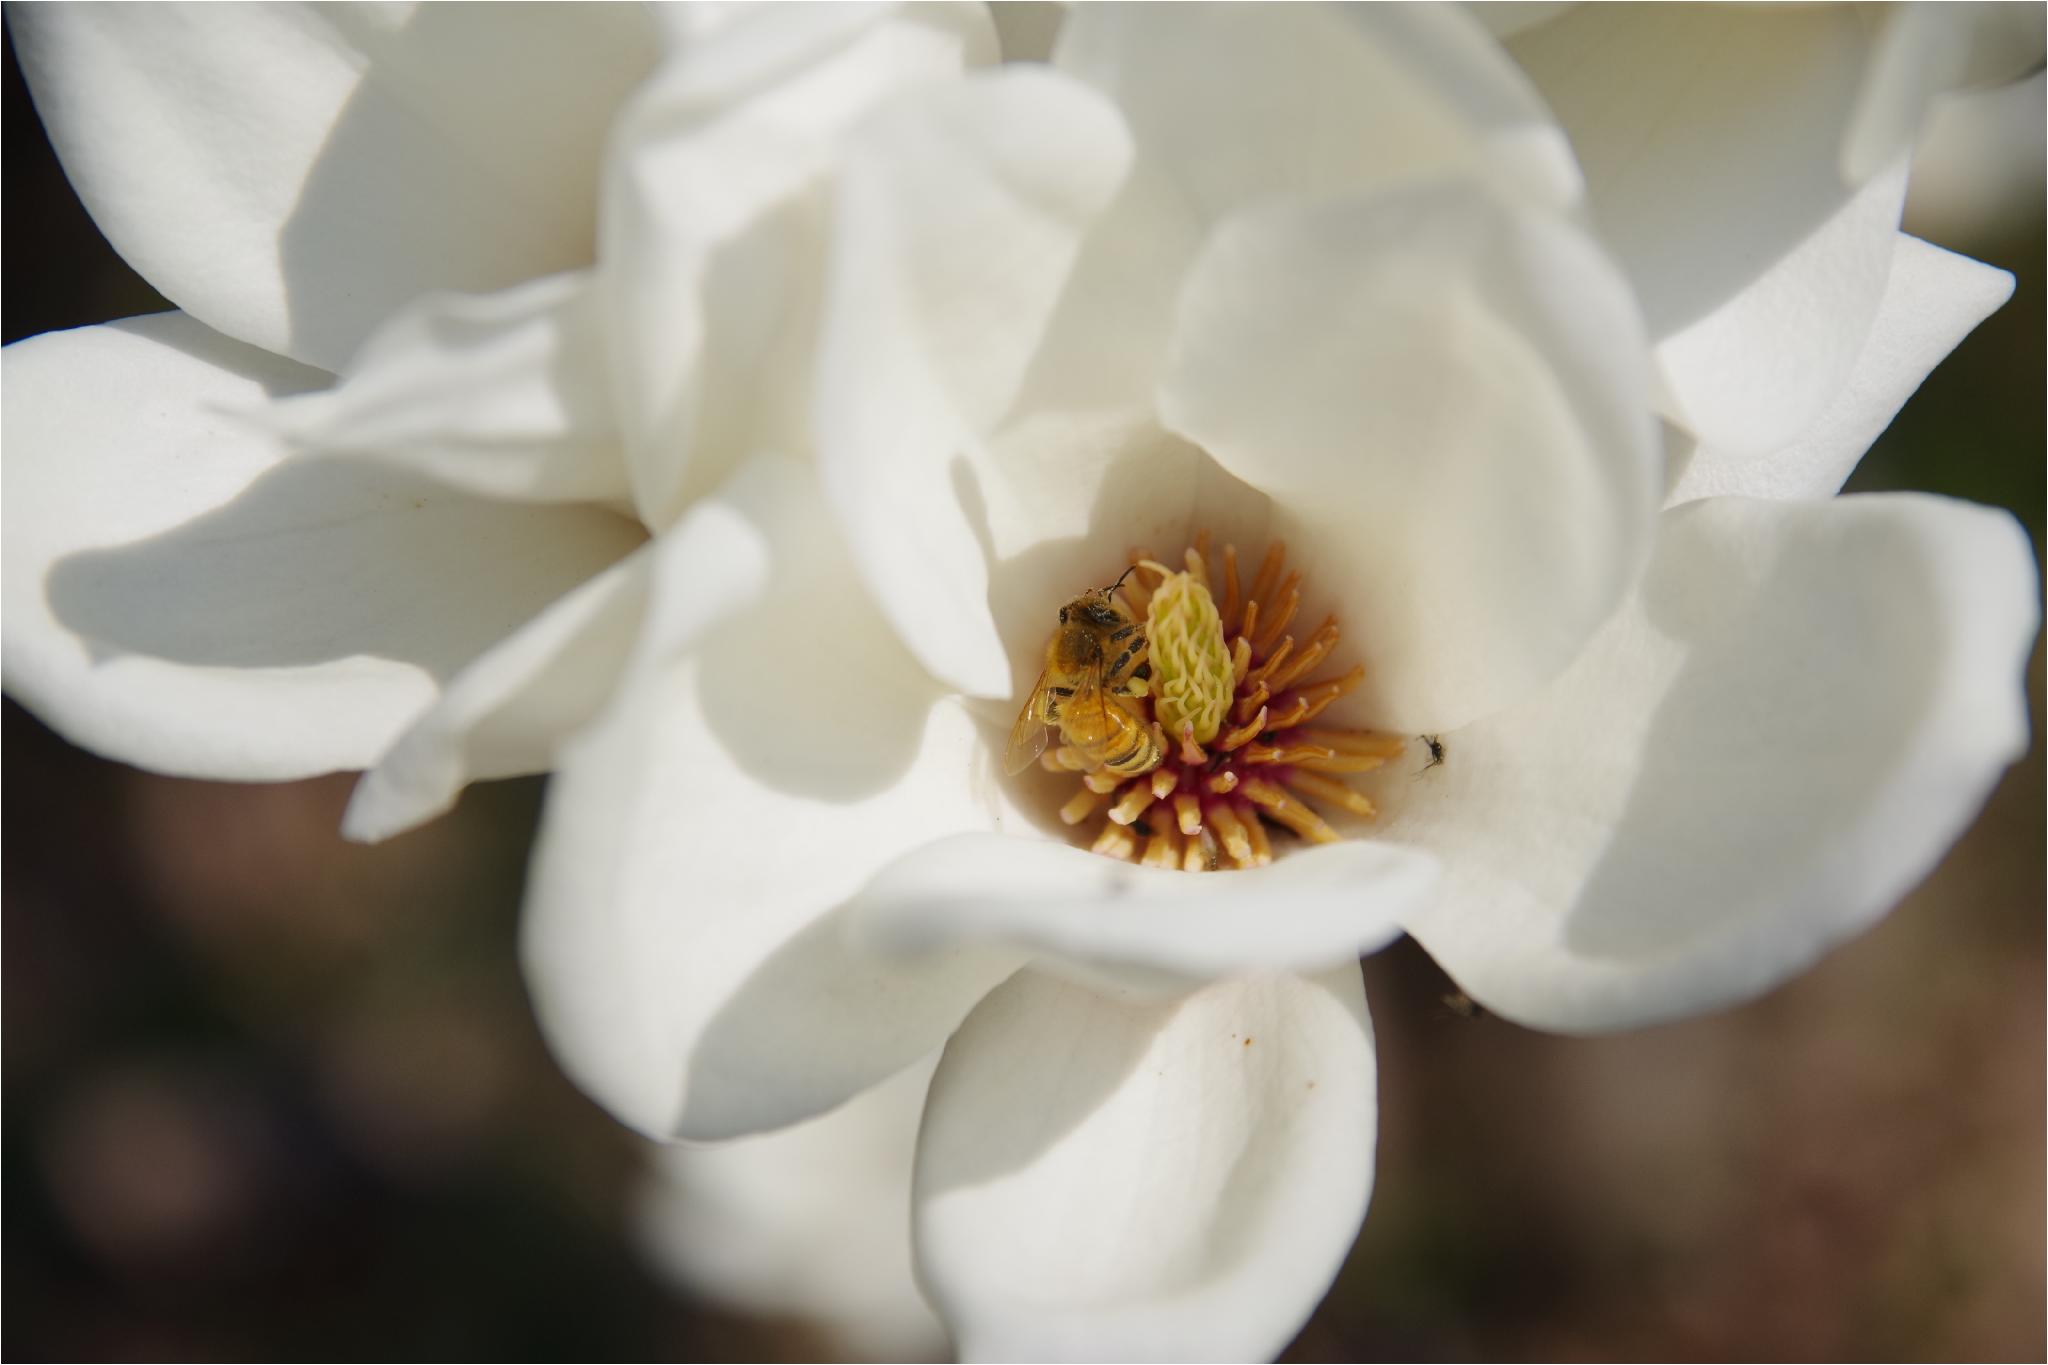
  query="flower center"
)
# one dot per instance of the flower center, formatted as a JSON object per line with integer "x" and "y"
{"x": 1227, "y": 694}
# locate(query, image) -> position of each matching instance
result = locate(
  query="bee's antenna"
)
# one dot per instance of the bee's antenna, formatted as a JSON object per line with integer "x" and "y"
{"x": 1120, "y": 579}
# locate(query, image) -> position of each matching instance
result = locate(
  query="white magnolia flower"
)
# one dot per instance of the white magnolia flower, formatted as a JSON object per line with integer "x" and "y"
{"x": 746, "y": 503}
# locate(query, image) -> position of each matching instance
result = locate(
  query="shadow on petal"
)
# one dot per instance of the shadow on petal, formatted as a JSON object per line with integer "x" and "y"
{"x": 816, "y": 1018}
{"x": 1715, "y": 732}
{"x": 321, "y": 560}
{"x": 1085, "y": 1075}
{"x": 811, "y": 692}
{"x": 466, "y": 158}
{"x": 825, "y": 716}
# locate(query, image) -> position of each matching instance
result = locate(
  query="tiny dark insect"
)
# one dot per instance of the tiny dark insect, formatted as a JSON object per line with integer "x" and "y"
{"x": 1436, "y": 753}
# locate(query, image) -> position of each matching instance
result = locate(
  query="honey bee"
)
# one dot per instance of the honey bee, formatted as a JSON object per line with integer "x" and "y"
{"x": 1084, "y": 690}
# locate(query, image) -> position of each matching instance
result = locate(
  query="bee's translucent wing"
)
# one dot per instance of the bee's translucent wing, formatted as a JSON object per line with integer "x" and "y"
{"x": 1027, "y": 736}
{"x": 1085, "y": 715}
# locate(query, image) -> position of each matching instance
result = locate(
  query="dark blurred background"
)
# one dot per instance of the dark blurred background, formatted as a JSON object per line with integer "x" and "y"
{"x": 270, "y": 1095}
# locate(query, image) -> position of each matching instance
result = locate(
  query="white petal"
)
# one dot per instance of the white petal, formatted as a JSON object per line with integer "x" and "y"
{"x": 1710, "y": 136}
{"x": 1932, "y": 301}
{"x": 291, "y": 174}
{"x": 1765, "y": 365}
{"x": 509, "y": 712}
{"x": 680, "y": 938}
{"x": 1240, "y": 102}
{"x": 1106, "y": 1179}
{"x": 1784, "y": 730}
{"x": 181, "y": 596}
{"x": 1926, "y": 50}
{"x": 1921, "y": 51}
{"x": 503, "y": 394}
{"x": 959, "y": 212}
{"x": 1143, "y": 926}
{"x": 1446, "y": 399}
{"x": 714, "y": 224}
{"x": 812, "y": 1221}
{"x": 1229, "y": 103}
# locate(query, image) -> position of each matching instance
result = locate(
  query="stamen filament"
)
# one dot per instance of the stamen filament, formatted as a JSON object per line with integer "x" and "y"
{"x": 1262, "y": 847}
{"x": 1263, "y": 674}
{"x": 1133, "y": 803}
{"x": 1342, "y": 763}
{"x": 1162, "y": 849}
{"x": 1334, "y": 793}
{"x": 1356, "y": 741}
{"x": 1289, "y": 753}
{"x": 1322, "y": 694}
{"x": 1228, "y": 608}
{"x": 1187, "y": 812}
{"x": 1081, "y": 805}
{"x": 1250, "y": 730}
{"x": 1269, "y": 574}
{"x": 1319, "y": 645}
{"x": 1231, "y": 830}
{"x": 1290, "y": 602}
{"x": 1137, "y": 592}
{"x": 1289, "y": 812}
{"x": 1115, "y": 842}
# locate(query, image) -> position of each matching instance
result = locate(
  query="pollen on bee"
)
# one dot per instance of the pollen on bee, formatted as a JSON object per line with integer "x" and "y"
{"x": 1211, "y": 749}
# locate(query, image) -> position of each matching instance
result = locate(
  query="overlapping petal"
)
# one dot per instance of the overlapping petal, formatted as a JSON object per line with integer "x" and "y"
{"x": 1801, "y": 707}
{"x": 181, "y": 595}
{"x": 1232, "y": 104}
{"x": 1711, "y": 138}
{"x": 509, "y": 711}
{"x": 290, "y": 174}
{"x": 1127, "y": 1179}
{"x": 680, "y": 937}
{"x": 959, "y": 213}
{"x": 1932, "y": 300}
{"x": 506, "y": 395}
{"x": 714, "y": 222}
{"x": 1922, "y": 52}
{"x": 1444, "y": 396}
{"x": 1097, "y": 919}
{"x": 1238, "y": 103}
